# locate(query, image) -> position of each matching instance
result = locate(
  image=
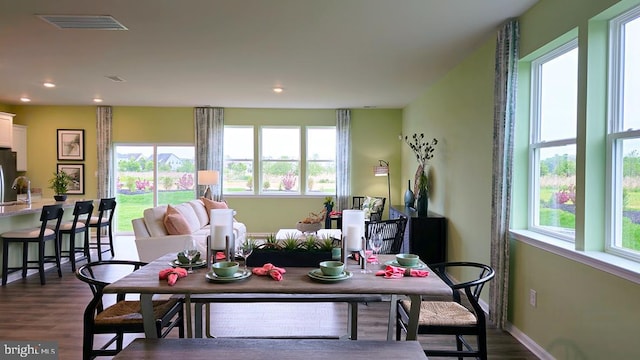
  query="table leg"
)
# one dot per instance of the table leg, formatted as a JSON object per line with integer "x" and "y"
{"x": 197, "y": 320}
{"x": 148, "y": 319}
{"x": 392, "y": 317}
{"x": 352, "y": 325}
{"x": 414, "y": 316}
{"x": 187, "y": 314}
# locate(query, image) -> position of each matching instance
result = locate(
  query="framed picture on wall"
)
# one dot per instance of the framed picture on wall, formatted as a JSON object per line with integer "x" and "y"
{"x": 76, "y": 172}
{"x": 71, "y": 144}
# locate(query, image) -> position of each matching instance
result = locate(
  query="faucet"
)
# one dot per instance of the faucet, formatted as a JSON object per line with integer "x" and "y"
{"x": 15, "y": 186}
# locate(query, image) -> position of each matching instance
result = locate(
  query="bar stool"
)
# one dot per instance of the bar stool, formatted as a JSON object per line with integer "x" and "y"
{"x": 106, "y": 209}
{"x": 80, "y": 223}
{"x": 34, "y": 235}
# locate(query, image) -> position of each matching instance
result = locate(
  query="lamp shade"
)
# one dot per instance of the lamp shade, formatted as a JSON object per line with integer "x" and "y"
{"x": 207, "y": 177}
{"x": 380, "y": 170}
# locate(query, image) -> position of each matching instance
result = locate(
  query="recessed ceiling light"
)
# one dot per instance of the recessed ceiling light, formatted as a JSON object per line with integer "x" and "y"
{"x": 278, "y": 90}
{"x": 97, "y": 100}
{"x": 25, "y": 99}
{"x": 49, "y": 85}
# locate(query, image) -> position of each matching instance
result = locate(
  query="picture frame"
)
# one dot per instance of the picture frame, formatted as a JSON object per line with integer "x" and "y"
{"x": 70, "y": 144}
{"x": 76, "y": 172}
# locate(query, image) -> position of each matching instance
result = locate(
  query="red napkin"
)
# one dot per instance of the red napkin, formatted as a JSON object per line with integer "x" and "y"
{"x": 395, "y": 272}
{"x": 220, "y": 255}
{"x": 268, "y": 269}
{"x": 172, "y": 275}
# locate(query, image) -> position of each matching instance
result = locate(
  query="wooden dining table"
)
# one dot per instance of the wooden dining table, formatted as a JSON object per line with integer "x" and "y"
{"x": 296, "y": 281}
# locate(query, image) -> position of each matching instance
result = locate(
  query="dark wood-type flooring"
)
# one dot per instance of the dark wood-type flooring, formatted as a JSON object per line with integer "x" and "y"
{"x": 53, "y": 312}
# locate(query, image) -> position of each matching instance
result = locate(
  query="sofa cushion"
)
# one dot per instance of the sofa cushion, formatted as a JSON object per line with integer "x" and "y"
{"x": 371, "y": 205}
{"x": 175, "y": 222}
{"x": 212, "y": 204}
{"x": 153, "y": 218}
{"x": 201, "y": 212}
{"x": 189, "y": 214}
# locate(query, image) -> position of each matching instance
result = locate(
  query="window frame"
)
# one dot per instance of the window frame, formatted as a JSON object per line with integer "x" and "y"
{"x": 535, "y": 144}
{"x": 252, "y": 160}
{"x": 308, "y": 160}
{"x": 261, "y": 160}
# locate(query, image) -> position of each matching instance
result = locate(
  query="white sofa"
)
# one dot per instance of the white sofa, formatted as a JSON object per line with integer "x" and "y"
{"x": 152, "y": 239}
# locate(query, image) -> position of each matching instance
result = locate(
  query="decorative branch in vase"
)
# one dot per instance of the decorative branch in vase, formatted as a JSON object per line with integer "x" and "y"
{"x": 423, "y": 150}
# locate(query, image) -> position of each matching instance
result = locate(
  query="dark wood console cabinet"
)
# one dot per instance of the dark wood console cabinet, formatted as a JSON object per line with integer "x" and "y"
{"x": 424, "y": 236}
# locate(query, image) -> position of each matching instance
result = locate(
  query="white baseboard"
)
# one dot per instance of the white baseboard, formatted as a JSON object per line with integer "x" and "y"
{"x": 536, "y": 349}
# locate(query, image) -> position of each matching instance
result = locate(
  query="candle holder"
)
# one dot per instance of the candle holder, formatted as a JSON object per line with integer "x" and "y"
{"x": 222, "y": 238}
{"x": 352, "y": 229}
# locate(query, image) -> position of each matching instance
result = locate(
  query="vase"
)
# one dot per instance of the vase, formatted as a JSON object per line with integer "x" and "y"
{"x": 423, "y": 202}
{"x": 60, "y": 197}
{"x": 409, "y": 197}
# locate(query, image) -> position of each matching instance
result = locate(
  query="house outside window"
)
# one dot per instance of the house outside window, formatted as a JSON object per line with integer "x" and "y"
{"x": 623, "y": 138}
{"x": 552, "y": 150}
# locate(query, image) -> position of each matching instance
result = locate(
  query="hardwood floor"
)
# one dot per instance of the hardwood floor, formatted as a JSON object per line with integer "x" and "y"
{"x": 53, "y": 312}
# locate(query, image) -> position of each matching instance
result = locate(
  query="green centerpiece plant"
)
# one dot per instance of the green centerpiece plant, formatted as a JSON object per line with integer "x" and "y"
{"x": 60, "y": 185}
{"x": 307, "y": 251}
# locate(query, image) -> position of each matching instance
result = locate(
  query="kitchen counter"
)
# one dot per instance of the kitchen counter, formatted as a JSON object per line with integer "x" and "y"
{"x": 20, "y": 208}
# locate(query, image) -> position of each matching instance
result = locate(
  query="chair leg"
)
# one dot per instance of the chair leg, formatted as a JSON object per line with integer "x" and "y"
{"x": 25, "y": 253}
{"x": 58, "y": 251}
{"x": 87, "y": 251}
{"x": 98, "y": 246}
{"x": 41, "y": 262}
{"x": 5, "y": 260}
{"x": 72, "y": 250}
{"x": 111, "y": 240}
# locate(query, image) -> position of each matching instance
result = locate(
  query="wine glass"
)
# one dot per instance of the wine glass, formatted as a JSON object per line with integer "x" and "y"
{"x": 245, "y": 250}
{"x": 190, "y": 251}
{"x": 375, "y": 242}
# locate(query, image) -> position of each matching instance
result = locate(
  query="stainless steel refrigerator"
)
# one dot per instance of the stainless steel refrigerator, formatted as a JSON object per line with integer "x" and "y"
{"x": 7, "y": 175}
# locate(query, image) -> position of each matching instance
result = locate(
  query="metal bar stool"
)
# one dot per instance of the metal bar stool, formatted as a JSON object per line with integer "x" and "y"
{"x": 80, "y": 223}
{"x": 106, "y": 209}
{"x": 34, "y": 235}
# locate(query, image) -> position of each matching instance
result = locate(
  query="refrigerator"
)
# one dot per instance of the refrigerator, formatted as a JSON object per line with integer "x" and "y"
{"x": 7, "y": 175}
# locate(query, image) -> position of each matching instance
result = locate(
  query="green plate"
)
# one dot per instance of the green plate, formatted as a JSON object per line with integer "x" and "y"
{"x": 418, "y": 266}
{"x": 239, "y": 275}
{"x": 318, "y": 275}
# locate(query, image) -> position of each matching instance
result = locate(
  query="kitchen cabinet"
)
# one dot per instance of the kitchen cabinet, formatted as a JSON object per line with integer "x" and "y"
{"x": 20, "y": 146}
{"x": 6, "y": 130}
{"x": 425, "y": 236}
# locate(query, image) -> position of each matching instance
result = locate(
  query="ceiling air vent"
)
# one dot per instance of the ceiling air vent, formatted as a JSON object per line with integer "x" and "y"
{"x": 84, "y": 22}
{"x": 115, "y": 78}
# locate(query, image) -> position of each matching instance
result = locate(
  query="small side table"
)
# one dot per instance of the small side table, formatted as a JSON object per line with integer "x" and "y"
{"x": 329, "y": 219}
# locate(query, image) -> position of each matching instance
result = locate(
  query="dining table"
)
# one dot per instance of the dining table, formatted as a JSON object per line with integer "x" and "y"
{"x": 296, "y": 282}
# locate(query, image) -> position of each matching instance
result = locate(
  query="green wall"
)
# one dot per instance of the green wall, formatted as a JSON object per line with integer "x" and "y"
{"x": 374, "y": 133}
{"x": 582, "y": 312}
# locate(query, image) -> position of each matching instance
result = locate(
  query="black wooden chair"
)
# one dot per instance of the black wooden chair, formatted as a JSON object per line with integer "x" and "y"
{"x": 38, "y": 236}
{"x": 106, "y": 209}
{"x": 460, "y": 317}
{"x": 392, "y": 232}
{"x": 124, "y": 316}
{"x": 80, "y": 224}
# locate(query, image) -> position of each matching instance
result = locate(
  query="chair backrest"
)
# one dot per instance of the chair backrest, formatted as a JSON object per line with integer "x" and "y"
{"x": 49, "y": 213}
{"x": 81, "y": 209}
{"x": 356, "y": 202}
{"x": 106, "y": 205}
{"x": 99, "y": 274}
{"x": 392, "y": 232}
{"x": 471, "y": 288}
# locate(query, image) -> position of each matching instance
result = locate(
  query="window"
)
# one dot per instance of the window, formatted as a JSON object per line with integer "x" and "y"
{"x": 280, "y": 160}
{"x": 238, "y": 160}
{"x": 289, "y": 163}
{"x": 148, "y": 175}
{"x": 553, "y": 142}
{"x": 624, "y": 135}
{"x": 321, "y": 160}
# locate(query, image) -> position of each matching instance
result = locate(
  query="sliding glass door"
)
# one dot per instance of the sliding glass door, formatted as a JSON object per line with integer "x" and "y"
{"x": 149, "y": 175}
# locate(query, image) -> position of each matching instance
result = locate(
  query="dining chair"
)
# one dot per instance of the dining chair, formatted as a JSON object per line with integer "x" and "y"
{"x": 106, "y": 209}
{"x": 123, "y": 316}
{"x": 80, "y": 224}
{"x": 460, "y": 316}
{"x": 38, "y": 236}
{"x": 391, "y": 231}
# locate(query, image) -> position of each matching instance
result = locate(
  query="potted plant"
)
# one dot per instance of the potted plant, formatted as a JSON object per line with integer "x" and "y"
{"x": 60, "y": 184}
{"x": 306, "y": 252}
{"x": 328, "y": 204}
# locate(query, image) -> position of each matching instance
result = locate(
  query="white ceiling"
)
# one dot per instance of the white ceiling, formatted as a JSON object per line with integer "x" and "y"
{"x": 231, "y": 53}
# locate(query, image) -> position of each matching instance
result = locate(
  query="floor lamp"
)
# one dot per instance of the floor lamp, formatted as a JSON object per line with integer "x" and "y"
{"x": 383, "y": 170}
{"x": 208, "y": 178}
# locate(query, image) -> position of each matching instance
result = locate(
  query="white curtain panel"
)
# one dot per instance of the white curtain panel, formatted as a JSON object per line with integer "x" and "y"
{"x": 209, "y": 126}
{"x": 104, "y": 126}
{"x": 506, "y": 78}
{"x": 343, "y": 158}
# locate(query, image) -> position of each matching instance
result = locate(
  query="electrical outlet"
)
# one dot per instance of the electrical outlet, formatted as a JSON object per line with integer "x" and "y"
{"x": 533, "y": 297}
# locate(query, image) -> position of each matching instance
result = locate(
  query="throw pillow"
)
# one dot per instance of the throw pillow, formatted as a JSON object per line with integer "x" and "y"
{"x": 212, "y": 204}
{"x": 371, "y": 205}
{"x": 175, "y": 223}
